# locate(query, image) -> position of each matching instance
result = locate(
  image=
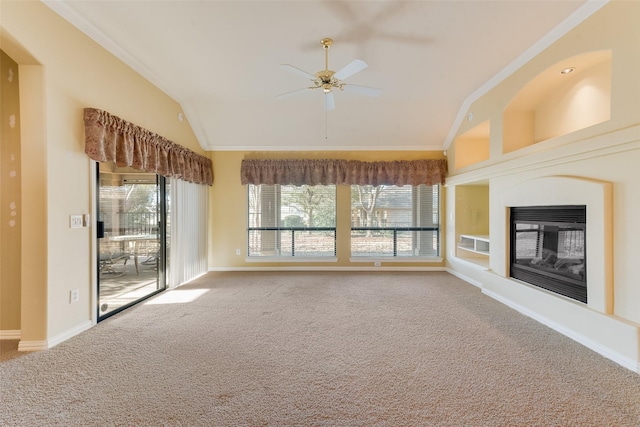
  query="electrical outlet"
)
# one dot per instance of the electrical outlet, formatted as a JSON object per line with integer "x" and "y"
{"x": 75, "y": 221}
{"x": 74, "y": 295}
{"x": 376, "y": 263}
{"x": 238, "y": 252}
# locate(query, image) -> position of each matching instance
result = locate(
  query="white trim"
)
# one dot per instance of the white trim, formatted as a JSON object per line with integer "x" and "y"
{"x": 70, "y": 333}
{"x": 290, "y": 259}
{"x": 72, "y": 16}
{"x": 317, "y": 268}
{"x": 184, "y": 283}
{"x": 536, "y": 157}
{"x": 93, "y": 189}
{"x": 32, "y": 345}
{"x": 620, "y": 359}
{"x": 76, "y": 19}
{"x": 465, "y": 278}
{"x": 404, "y": 259}
{"x": 196, "y": 124}
{"x": 582, "y": 13}
{"x": 10, "y": 334}
{"x": 80, "y": 22}
{"x": 418, "y": 148}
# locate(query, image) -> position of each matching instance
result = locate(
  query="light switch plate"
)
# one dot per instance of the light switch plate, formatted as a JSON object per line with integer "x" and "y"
{"x": 75, "y": 221}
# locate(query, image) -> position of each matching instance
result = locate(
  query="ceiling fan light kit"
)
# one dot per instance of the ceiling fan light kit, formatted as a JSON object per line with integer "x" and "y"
{"x": 327, "y": 79}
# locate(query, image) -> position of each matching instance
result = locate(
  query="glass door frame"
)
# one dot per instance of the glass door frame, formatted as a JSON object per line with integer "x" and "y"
{"x": 161, "y": 281}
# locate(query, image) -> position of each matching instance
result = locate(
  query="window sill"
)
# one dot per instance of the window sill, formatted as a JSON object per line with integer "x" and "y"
{"x": 395, "y": 259}
{"x": 290, "y": 259}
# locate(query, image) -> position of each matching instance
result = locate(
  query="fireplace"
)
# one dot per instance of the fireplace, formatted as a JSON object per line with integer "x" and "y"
{"x": 548, "y": 248}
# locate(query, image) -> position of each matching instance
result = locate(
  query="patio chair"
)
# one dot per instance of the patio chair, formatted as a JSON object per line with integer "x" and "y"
{"x": 109, "y": 259}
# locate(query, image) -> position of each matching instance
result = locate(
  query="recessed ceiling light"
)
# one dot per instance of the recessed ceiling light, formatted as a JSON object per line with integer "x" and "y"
{"x": 567, "y": 70}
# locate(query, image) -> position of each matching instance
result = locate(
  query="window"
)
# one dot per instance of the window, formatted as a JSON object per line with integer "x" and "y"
{"x": 290, "y": 221}
{"x": 391, "y": 221}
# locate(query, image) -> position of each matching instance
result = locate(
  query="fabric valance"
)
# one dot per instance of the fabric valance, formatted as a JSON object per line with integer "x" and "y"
{"x": 345, "y": 172}
{"x": 109, "y": 138}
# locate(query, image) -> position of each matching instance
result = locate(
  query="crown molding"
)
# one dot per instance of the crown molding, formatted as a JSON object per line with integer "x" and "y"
{"x": 412, "y": 148}
{"x": 67, "y": 12}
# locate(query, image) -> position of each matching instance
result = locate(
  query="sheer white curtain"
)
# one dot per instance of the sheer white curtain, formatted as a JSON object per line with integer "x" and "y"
{"x": 188, "y": 222}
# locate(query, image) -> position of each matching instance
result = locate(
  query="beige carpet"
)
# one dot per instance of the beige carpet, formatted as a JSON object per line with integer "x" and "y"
{"x": 9, "y": 350}
{"x": 319, "y": 349}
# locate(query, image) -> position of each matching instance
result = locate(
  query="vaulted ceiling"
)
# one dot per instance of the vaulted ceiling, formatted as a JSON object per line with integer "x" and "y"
{"x": 221, "y": 61}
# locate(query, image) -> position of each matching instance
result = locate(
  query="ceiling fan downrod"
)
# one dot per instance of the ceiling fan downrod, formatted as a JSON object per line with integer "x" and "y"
{"x": 326, "y": 80}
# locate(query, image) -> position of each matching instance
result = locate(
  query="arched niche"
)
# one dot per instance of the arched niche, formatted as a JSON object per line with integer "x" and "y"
{"x": 473, "y": 146}
{"x": 556, "y": 103}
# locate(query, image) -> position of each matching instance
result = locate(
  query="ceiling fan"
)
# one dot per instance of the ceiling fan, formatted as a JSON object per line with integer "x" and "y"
{"x": 327, "y": 80}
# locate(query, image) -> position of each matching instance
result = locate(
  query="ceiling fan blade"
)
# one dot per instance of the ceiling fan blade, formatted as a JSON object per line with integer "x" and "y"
{"x": 355, "y": 66}
{"x": 329, "y": 101}
{"x": 298, "y": 71}
{"x": 293, "y": 92}
{"x": 362, "y": 90}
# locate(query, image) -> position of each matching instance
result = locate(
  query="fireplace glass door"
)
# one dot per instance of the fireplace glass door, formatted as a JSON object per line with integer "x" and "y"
{"x": 548, "y": 248}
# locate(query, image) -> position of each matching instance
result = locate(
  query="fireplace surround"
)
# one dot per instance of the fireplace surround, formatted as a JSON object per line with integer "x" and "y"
{"x": 548, "y": 248}
{"x": 596, "y": 196}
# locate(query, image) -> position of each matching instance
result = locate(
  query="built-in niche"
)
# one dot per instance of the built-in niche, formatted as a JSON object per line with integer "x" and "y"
{"x": 571, "y": 95}
{"x": 473, "y": 146}
{"x": 472, "y": 223}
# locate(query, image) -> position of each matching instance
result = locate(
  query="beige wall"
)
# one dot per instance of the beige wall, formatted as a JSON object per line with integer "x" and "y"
{"x": 10, "y": 199}
{"x": 228, "y": 220}
{"x": 472, "y": 209}
{"x": 62, "y": 72}
{"x": 607, "y": 152}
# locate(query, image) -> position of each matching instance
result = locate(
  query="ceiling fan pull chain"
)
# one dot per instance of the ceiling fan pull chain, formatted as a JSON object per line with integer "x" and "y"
{"x": 326, "y": 126}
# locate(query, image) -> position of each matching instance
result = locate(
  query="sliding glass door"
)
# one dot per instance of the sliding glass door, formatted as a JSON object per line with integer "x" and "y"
{"x": 132, "y": 236}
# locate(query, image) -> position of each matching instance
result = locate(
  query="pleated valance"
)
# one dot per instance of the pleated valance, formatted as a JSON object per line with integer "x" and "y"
{"x": 345, "y": 172}
{"x": 110, "y": 139}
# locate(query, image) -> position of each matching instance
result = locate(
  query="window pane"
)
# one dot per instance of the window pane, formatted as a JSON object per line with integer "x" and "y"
{"x": 285, "y": 220}
{"x": 394, "y": 221}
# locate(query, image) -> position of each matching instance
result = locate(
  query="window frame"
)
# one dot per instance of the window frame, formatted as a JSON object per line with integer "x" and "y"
{"x": 277, "y": 226}
{"x": 394, "y": 257}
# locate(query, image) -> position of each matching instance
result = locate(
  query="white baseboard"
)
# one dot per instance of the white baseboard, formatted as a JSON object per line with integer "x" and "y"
{"x": 620, "y": 359}
{"x": 188, "y": 280}
{"x": 321, "y": 268}
{"x": 10, "y": 334}
{"x": 465, "y": 278}
{"x": 32, "y": 345}
{"x": 70, "y": 333}
{"x": 46, "y": 344}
